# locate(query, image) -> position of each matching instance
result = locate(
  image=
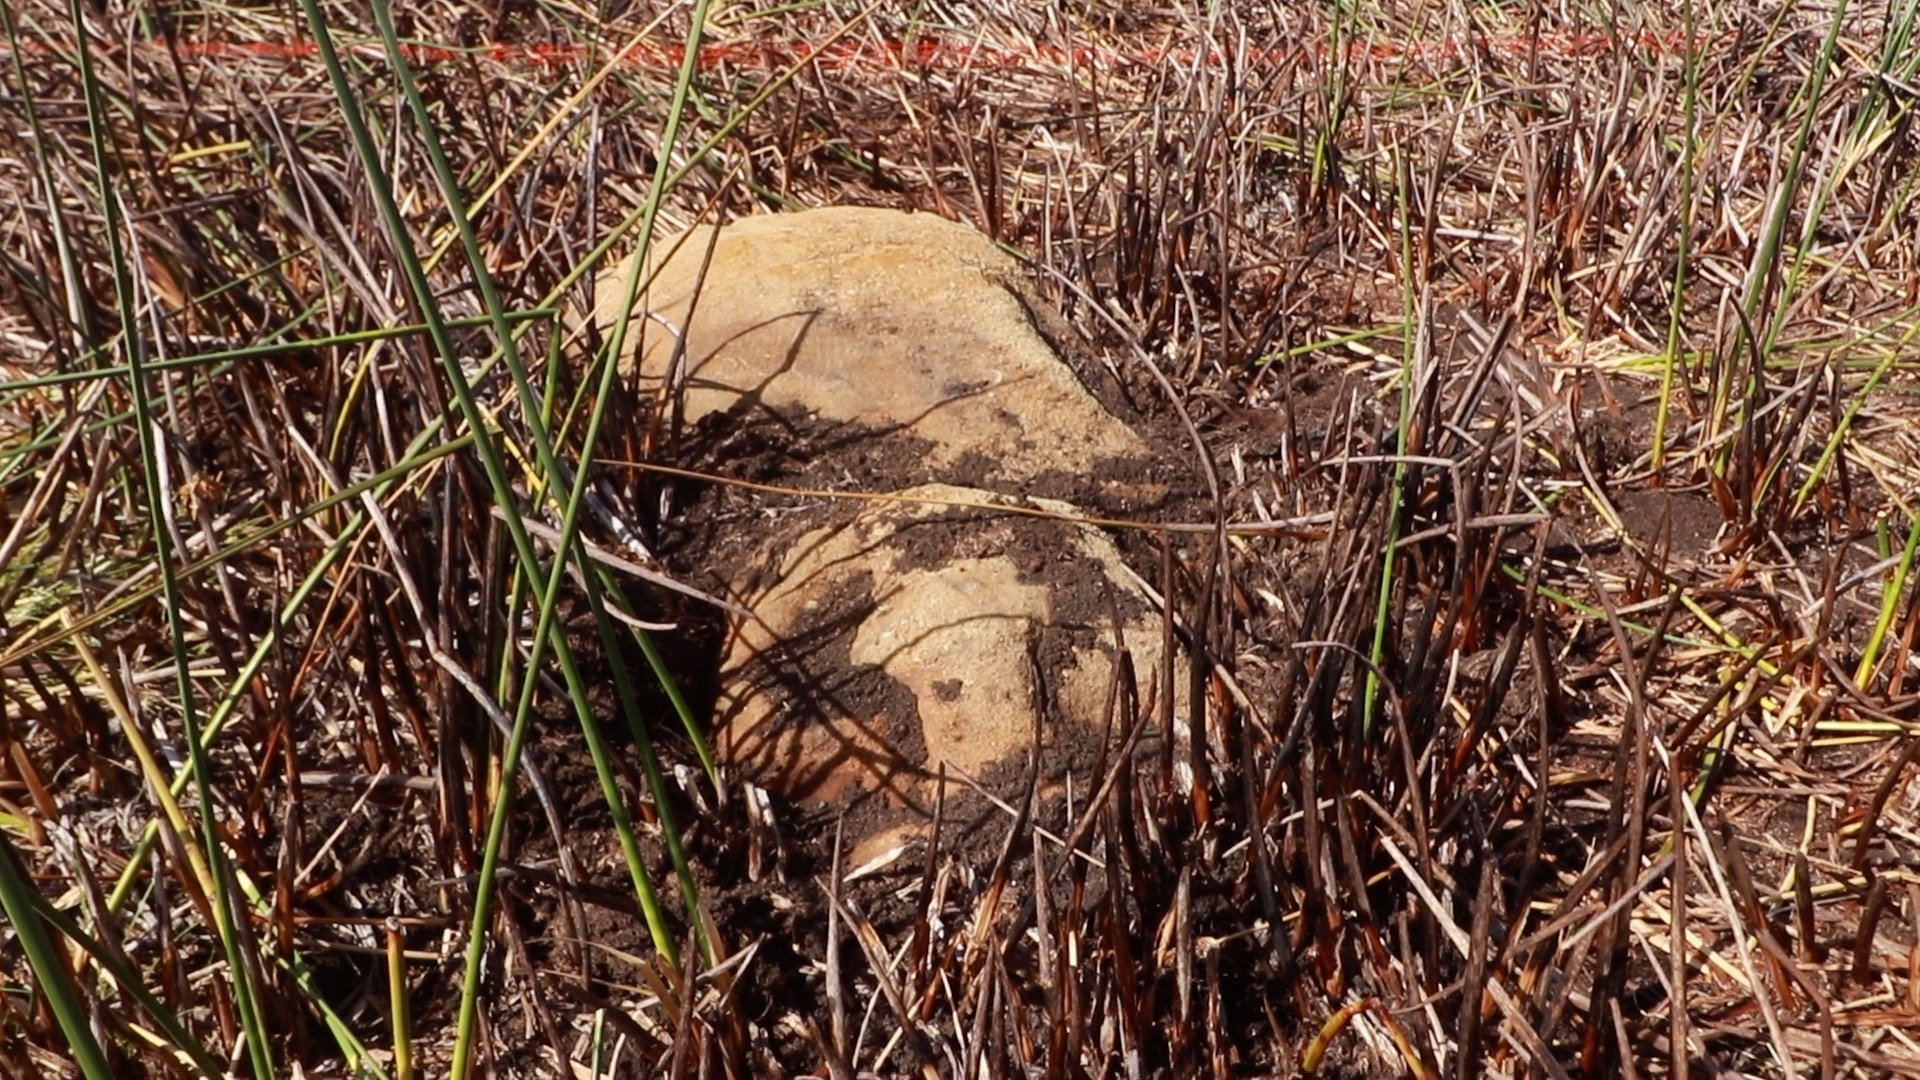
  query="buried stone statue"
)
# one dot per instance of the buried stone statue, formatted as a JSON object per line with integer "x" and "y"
{"x": 955, "y": 603}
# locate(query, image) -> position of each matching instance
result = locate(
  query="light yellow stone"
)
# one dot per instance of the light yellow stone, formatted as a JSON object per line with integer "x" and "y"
{"x": 892, "y": 320}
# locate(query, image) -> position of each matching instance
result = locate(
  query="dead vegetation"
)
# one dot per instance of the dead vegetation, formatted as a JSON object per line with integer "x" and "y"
{"x": 1583, "y": 733}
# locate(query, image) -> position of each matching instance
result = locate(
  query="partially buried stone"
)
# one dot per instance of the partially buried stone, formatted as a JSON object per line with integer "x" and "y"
{"x": 933, "y": 627}
{"x": 925, "y": 631}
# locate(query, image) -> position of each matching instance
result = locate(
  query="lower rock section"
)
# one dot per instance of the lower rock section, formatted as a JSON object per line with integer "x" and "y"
{"x": 945, "y": 625}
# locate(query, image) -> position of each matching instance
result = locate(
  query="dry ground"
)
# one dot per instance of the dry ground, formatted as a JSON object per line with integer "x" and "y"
{"x": 1577, "y": 730}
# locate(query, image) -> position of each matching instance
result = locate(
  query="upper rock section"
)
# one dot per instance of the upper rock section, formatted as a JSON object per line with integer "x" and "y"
{"x": 898, "y": 322}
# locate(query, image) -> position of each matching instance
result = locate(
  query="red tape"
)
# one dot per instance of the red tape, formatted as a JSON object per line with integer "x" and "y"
{"x": 932, "y": 53}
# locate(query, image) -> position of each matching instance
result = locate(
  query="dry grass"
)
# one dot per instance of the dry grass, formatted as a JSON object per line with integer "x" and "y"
{"x": 1584, "y": 733}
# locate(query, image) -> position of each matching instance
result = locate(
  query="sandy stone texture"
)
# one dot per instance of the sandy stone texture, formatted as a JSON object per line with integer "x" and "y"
{"x": 927, "y": 631}
{"x": 897, "y": 321}
{"x": 936, "y": 628}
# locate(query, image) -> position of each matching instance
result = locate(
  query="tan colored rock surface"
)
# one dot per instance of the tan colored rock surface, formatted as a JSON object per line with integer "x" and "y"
{"x": 875, "y": 348}
{"x": 920, "y": 632}
{"x": 875, "y": 317}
